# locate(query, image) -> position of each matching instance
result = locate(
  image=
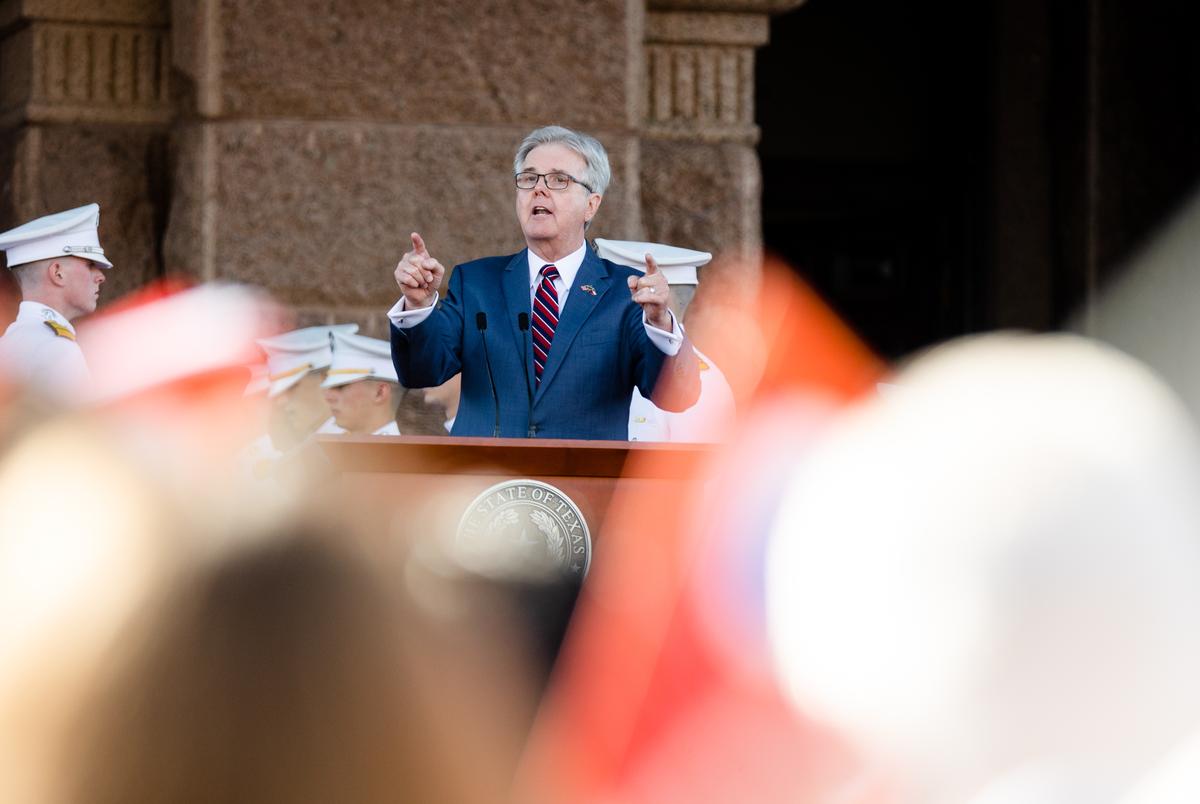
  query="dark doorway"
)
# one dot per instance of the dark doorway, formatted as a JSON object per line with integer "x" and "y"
{"x": 935, "y": 167}
{"x": 872, "y": 125}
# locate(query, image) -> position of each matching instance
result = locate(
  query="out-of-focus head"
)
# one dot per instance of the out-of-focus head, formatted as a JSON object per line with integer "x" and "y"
{"x": 283, "y": 674}
{"x": 996, "y": 569}
{"x": 298, "y": 668}
{"x": 556, "y": 207}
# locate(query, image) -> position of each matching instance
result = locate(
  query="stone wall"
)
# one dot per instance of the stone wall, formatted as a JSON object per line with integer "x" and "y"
{"x": 294, "y": 144}
{"x": 303, "y": 161}
{"x": 84, "y": 112}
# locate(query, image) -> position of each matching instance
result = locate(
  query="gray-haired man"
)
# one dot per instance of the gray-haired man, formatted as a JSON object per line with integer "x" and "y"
{"x": 550, "y": 341}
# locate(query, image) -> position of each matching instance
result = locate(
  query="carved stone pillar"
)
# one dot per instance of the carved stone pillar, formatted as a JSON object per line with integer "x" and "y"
{"x": 700, "y": 179}
{"x": 84, "y": 110}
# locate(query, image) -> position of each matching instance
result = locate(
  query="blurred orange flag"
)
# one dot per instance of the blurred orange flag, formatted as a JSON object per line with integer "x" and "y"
{"x": 663, "y": 692}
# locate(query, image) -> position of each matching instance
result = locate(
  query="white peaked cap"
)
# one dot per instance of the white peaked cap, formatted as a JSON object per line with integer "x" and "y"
{"x": 63, "y": 234}
{"x": 294, "y": 354}
{"x": 356, "y": 357}
{"x": 677, "y": 264}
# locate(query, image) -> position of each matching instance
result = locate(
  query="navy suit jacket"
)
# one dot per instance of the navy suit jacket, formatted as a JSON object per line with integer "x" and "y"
{"x": 599, "y": 354}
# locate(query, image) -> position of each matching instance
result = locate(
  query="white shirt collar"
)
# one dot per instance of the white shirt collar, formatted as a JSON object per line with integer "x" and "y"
{"x": 36, "y": 311}
{"x": 567, "y": 267}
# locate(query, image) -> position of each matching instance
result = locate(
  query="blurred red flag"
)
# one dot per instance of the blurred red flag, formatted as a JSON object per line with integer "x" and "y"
{"x": 663, "y": 692}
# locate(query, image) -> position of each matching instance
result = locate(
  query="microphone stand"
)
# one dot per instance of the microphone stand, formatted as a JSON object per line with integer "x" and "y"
{"x": 481, "y": 324}
{"x": 523, "y": 325}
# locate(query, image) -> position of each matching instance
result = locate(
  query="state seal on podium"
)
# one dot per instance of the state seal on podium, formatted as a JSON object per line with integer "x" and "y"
{"x": 524, "y": 529}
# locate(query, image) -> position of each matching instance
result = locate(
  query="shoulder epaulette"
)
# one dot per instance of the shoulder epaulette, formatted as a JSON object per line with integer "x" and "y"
{"x": 60, "y": 330}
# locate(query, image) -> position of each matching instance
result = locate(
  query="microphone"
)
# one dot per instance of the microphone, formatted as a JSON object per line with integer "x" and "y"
{"x": 481, "y": 324}
{"x": 523, "y": 325}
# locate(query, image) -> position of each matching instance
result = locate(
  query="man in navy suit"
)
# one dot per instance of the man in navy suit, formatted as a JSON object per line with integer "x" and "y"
{"x": 596, "y": 330}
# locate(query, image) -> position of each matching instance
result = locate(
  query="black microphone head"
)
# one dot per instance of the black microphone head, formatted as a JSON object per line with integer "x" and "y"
{"x": 481, "y": 321}
{"x": 523, "y": 321}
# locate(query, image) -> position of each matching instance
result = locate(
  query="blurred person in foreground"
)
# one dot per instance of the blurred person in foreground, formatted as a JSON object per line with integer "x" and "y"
{"x": 360, "y": 387}
{"x": 989, "y": 579}
{"x": 59, "y": 266}
{"x": 290, "y": 673}
{"x": 104, "y": 506}
{"x": 168, "y": 634}
{"x": 596, "y": 330}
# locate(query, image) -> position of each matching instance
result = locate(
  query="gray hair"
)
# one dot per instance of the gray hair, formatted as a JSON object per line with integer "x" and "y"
{"x": 596, "y": 175}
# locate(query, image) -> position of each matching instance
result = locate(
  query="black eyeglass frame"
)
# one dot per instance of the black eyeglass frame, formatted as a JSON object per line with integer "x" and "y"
{"x": 545, "y": 179}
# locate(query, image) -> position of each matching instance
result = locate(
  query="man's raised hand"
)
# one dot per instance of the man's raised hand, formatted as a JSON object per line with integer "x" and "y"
{"x": 418, "y": 275}
{"x": 651, "y": 291}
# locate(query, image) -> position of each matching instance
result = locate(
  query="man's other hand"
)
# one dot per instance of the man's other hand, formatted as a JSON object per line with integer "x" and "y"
{"x": 651, "y": 291}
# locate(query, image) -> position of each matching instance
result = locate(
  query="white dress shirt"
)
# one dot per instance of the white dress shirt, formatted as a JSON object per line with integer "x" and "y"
{"x": 389, "y": 429}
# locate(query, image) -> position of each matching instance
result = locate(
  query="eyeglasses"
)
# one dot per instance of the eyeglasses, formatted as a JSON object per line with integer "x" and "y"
{"x": 527, "y": 180}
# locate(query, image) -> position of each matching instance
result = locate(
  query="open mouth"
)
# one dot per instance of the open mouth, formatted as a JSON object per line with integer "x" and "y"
{"x": 540, "y": 211}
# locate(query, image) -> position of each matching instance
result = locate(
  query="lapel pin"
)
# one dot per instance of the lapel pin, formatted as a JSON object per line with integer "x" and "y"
{"x": 588, "y": 289}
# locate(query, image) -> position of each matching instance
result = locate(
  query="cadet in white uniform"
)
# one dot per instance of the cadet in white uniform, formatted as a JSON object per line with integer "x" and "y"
{"x": 296, "y": 362}
{"x": 296, "y": 365}
{"x": 714, "y": 412}
{"x": 361, "y": 386}
{"x": 706, "y": 421}
{"x": 59, "y": 266}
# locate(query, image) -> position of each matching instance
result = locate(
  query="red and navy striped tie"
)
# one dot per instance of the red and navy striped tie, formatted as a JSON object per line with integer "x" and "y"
{"x": 545, "y": 319}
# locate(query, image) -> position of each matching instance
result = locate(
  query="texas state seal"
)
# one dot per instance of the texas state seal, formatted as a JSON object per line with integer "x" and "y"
{"x": 525, "y": 529}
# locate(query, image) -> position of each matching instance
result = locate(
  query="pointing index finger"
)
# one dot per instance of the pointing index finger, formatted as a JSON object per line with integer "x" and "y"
{"x": 419, "y": 244}
{"x": 651, "y": 266}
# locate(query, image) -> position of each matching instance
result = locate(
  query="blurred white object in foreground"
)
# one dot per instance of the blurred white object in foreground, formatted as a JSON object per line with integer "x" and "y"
{"x": 187, "y": 334}
{"x": 1176, "y": 780}
{"x": 1148, "y": 309}
{"x": 992, "y": 581}
{"x": 84, "y": 542}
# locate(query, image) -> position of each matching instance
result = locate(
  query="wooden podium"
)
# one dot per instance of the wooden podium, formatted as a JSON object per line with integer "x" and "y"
{"x": 428, "y": 482}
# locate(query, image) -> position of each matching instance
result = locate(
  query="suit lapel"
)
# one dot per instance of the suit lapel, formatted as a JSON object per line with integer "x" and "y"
{"x": 516, "y": 298}
{"x": 579, "y": 306}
